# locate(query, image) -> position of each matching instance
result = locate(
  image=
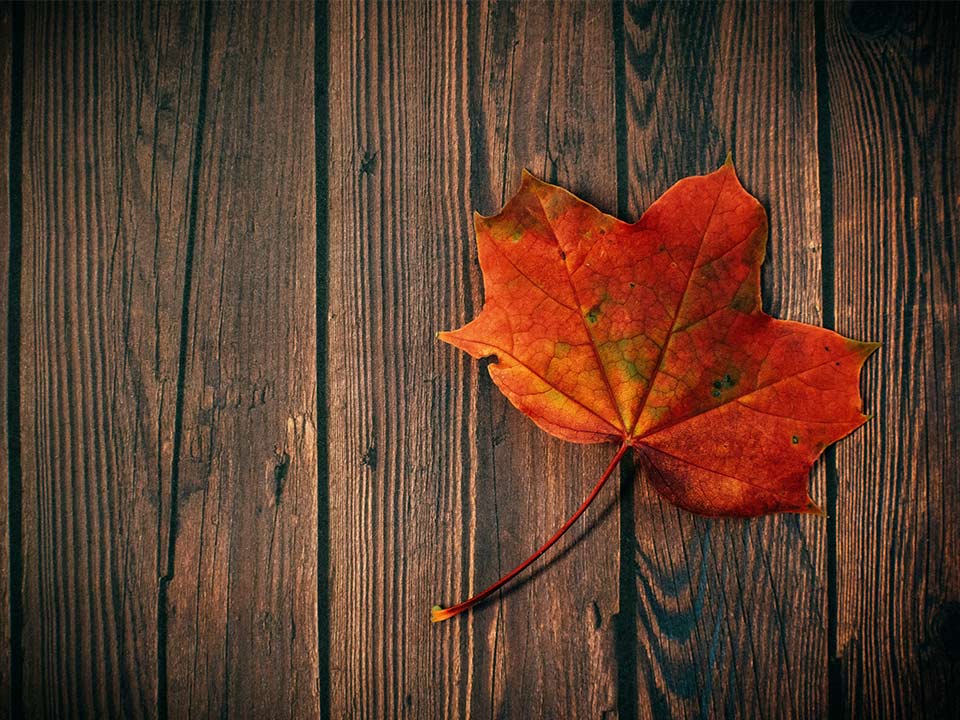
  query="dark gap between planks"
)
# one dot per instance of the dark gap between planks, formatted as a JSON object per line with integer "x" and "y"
{"x": 625, "y": 648}
{"x": 169, "y": 555}
{"x": 827, "y": 265}
{"x": 321, "y": 82}
{"x": 15, "y": 268}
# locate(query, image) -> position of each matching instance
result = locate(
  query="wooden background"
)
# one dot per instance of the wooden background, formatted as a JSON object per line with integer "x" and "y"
{"x": 238, "y": 468}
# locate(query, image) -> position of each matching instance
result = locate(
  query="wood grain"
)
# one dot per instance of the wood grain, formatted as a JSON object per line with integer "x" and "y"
{"x": 110, "y": 103}
{"x": 199, "y": 539}
{"x": 403, "y": 417}
{"x": 443, "y": 485}
{"x": 542, "y": 99}
{"x": 895, "y": 145}
{"x": 730, "y": 616}
{"x": 241, "y": 610}
{"x": 6, "y": 78}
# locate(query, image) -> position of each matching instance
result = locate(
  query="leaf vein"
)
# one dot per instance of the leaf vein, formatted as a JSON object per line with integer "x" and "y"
{"x": 676, "y": 316}
{"x": 678, "y": 421}
{"x": 593, "y": 341}
{"x": 501, "y": 351}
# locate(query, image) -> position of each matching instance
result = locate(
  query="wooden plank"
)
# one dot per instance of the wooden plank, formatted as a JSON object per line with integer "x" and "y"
{"x": 894, "y": 116}
{"x": 110, "y": 101}
{"x": 448, "y": 485}
{"x": 6, "y": 83}
{"x": 403, "y": 418}
{"x": 730, "y": 615}
{"x": 241, "y": 609}
{"x": 545, "y": 102}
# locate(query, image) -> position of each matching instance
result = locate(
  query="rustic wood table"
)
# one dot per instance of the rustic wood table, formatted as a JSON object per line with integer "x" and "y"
{"x": 238, "y": 469}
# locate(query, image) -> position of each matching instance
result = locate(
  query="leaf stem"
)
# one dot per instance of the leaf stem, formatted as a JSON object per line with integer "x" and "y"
{"x": 439, "y": 614}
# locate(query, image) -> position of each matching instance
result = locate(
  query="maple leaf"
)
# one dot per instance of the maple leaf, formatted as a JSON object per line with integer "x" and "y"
{"x": 651, "y": 335}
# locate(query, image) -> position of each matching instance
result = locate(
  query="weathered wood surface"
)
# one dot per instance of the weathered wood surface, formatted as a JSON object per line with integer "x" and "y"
{"x": 730, "y": 616}
{"x": 110, "y": 103}
{"x": 462, "y": 98}
{"x": 164, "y": 563}
{"x": 241, "y": 605}
{"x": 400, "y": 461}
{"x": 230, "y": 211}
{"x": 531, "y": 110}
{"x": 894, "y": 147}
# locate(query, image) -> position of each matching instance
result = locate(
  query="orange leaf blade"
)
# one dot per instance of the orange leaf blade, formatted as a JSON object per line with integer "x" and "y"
{"x": 652, "y": 333}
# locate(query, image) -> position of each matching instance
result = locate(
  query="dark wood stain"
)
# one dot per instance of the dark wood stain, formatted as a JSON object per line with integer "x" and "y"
{"x": 895, "y": 135}
{"x": 238, "y": 468}
{"x": 545, "y": 88}
{"x": 731, "y": 615}
{"x": 242, "y": 600}
{"x": 105, "y": 181}
{"x": 398, "y": 89}
{"x": 11, "y": 251}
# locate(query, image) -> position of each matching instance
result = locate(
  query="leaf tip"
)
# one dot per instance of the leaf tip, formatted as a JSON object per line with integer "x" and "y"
{"x": 729, "y": 161}
{"x": 814, "y": 509}
{"x": 530, "y": 181}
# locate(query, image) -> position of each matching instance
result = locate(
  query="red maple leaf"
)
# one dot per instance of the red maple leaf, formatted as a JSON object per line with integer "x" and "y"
{"x": 651, "y": 335}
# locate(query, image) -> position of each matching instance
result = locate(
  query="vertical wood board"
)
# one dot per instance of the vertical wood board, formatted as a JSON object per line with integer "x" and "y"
{"x": 241, "y": 610}
{"x": 403, "y": 411}
{"x": 110, "y": 102}
{"x": 731, "y": 614}
{"x": 895, "y": 144}
{"x": 542, "y": 98}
